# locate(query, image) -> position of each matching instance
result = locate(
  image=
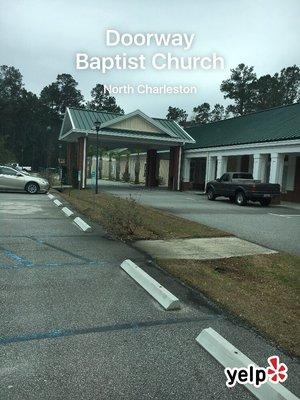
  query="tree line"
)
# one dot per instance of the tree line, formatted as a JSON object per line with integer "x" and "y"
{"x": 30, "y": 123}
{"x": 248, "y": 94}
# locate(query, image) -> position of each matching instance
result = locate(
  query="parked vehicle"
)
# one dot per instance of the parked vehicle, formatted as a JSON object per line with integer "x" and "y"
{"x": 241, "y": 187}
{"x": 19, "y": 167}
{"x": 14, "y": 180}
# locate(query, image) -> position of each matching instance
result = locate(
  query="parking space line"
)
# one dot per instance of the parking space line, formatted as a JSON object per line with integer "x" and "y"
{"x": 134, "y": 326}
{"x": 13, "y": 256}
{"x": 94, "y": 264}
{"x": 70, "y": 253}
{"x": 285, "y": 215}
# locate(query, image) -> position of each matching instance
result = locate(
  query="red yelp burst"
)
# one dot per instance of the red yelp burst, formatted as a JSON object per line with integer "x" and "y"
{"x": 277, "y": 371}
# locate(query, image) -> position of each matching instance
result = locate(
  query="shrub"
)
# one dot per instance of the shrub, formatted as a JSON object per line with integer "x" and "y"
{"x": 122, "y": 219}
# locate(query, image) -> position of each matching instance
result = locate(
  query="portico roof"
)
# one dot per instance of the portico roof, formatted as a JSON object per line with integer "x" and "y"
{"x": 118, "y": 130}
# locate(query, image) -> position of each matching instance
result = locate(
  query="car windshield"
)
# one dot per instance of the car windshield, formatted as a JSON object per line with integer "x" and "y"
{"x": 242, "y": 176}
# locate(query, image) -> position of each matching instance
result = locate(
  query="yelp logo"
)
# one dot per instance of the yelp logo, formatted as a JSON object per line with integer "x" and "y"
{"x": 275, "y": 372}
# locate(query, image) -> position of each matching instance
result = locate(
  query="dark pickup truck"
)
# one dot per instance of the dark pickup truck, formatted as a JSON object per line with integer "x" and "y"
{"x": 241, "y": 187}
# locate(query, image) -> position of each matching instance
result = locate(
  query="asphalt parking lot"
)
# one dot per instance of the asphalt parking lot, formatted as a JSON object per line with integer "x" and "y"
{"x": 276, "y": 227}
{"x": 74, "y": 326}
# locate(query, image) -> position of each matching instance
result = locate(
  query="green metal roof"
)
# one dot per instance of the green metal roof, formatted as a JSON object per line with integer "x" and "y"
{"x": 84, "y": 120}
{"x": 280, "y": 123}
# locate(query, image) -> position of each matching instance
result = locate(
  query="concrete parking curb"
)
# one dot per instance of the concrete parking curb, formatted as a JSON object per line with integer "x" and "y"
{"x": 157, "y": 291}
{"x": 67, "y": 211}
{"x": 50, "y": 196}
{"x": 57, "y": 203}
{"x": 82, "y": 225}
{"x": 230, "y": 357}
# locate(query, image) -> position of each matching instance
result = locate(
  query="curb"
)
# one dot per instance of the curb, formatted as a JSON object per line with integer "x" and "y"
{"x": 67, "y": 211}
{"x": 157, "y": 291}
{"x": 82, "y": 225}
{"x": 230, "y": 357}
{"x": 57, "y": 203}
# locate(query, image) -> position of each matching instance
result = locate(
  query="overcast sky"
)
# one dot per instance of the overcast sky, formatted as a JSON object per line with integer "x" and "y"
{"x": 41, "y": 38}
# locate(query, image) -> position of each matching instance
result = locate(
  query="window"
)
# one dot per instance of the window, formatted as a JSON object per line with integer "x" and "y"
{"x": 225, "y": 178}
{"x": 242, "y": 175}
{"x": 8, "y": 171}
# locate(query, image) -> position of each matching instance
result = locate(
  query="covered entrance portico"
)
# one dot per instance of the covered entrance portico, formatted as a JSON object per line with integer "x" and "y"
{"x": 135, "y": 132}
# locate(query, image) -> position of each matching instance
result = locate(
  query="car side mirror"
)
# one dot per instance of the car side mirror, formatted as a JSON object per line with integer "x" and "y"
{"x": 19, "y": 174}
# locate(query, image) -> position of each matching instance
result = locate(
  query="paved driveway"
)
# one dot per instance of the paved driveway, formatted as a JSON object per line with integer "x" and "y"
{"x": 276, "y": 227}
{"x": 74, "y": 326}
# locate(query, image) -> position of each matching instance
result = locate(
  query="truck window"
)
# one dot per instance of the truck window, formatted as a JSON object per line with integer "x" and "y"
{"x": 242, "y": 175}
{"x": 225, "y": 178}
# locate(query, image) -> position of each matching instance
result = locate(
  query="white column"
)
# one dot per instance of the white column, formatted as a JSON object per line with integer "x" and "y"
{"x": 210, "y": 168}
{"x": 222, "y": 165}
{"x": 84, "y": 163}
{"x": 259, "y": 166}
{"x": 207, "y": 170}
{"x": 263, "y": 169}
{"x": 276, "y": 169}
{"x": 290, "y": 181}
{"x": 186, "y": 169}
{"x": 179, "y": 169}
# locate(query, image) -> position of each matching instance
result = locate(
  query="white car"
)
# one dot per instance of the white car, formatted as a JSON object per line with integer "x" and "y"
{"x": 13, "y": 180}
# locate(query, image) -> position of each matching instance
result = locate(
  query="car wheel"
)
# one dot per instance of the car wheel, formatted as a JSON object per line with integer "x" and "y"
{"x": 211, "y": 194}
{"x": 265, "y": 202}
{"x": 32, "y": 188}
{"x": 240, "y": 199}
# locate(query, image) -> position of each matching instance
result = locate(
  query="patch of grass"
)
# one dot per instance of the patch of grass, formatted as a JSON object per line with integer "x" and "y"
{"x": 128, "y": 220}
{"x": 261, "y": 289}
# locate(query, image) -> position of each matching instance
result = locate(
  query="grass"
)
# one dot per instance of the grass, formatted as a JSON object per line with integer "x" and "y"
{"x": 261, "y": 289}
{"x": 129, "y": 221}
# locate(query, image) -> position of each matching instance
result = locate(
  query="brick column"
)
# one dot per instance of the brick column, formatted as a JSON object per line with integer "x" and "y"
{"x": 174, "y": 168}
{"x": 151, "y": 168}
{"x": 72, "y": 164}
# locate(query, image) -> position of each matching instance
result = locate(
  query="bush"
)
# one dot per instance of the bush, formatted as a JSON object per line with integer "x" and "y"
{"x": 122, "y": 219}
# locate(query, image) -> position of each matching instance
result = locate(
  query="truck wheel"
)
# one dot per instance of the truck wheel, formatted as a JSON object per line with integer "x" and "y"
{"x": 240, "y": 199}
{"x": 211, "y": 194}
{"x": 265, "y": 202}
